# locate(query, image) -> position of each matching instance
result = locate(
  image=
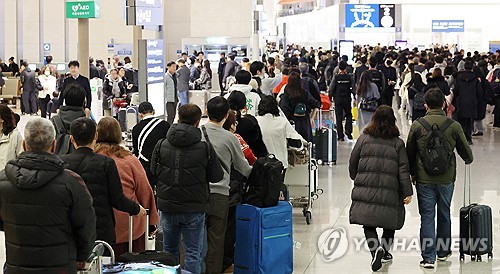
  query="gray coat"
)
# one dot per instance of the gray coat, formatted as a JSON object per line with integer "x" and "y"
{"x": 379, "y": 168}
{"x": 170, "y": 91}
{"x": 28, "y": 80}
{"x": 183, "y": 78}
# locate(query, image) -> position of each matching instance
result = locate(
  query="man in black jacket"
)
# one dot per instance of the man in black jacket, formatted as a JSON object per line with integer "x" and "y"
{"x": 466, "y": 93}
{"x": 45, "y": 210}
{"x": 77, "y": 79}
{"x": 75, "y": 100}
{"x": 359, "y": 70}
{"x": 390, "y": 76}
{"x": 101, "y": 177}
{"x": 378, "y": 78}
{"x": 341, "y": 89}
{"x": 220, "y": 71}
{"x": 145, "y": 136}
{"x": 184, "y": 166}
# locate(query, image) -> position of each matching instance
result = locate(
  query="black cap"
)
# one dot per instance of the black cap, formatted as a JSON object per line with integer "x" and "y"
{"x": 145, "y": 107}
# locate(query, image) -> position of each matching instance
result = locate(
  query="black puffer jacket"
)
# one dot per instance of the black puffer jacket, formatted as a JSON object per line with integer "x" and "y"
{"x": 379, "y": 168}
{"x": 47, "y": 215}
{"x": 180, "y": 162}
{"x": 103, "y": 181}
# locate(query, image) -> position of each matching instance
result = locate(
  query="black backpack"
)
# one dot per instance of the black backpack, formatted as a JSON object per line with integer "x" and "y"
{"x": 265, "y": 182}
{"x": 436, "y": 156}
{"x": 377, "y": 77}
{"x": 418, "y": 100}
{"x": 63, "y": 142}
{"x": 343, "y": 84}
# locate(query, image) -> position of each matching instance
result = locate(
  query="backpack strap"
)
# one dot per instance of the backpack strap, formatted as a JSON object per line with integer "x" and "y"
{"x": 447, "y": 123}
{"x": 424, "y": 123}
{"x": 208, "y": 144}
{"x": 83, "y": 165}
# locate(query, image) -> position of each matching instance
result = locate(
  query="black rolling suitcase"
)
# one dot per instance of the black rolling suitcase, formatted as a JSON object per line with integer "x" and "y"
{"x": 476, "y": 227}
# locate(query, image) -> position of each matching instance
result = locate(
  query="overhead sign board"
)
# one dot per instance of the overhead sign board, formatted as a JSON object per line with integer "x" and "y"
{"x": 82, "y": 9}
{"x": 123, "y": 49}
{"x": 448, "y": 25}
{"x": 144, "y": 16}
{"x": 370, "y": 15}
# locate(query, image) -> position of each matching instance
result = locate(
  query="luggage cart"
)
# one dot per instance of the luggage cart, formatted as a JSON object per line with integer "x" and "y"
{"x": 301, "y": 179}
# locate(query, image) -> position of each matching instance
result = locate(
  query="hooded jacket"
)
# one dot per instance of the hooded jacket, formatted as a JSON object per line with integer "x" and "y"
{"x": 379, "y": 168}
{"x": 253, "y": 99}
{"x": 47, "y": 215}
{"x": 181, "y": 164}
{"x": 466, "y": 94}
{"x": 68, "y": 114}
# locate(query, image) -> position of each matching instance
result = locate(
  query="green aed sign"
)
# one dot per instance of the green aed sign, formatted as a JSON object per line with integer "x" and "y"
{"x": 82, "y": 9}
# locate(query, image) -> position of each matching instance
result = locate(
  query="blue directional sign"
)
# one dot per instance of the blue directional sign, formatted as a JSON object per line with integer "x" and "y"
{"x": 448, "y": 25}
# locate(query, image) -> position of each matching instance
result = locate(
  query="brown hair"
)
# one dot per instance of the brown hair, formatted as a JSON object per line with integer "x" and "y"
{"x": 383, "y": 124}
{"x": 437, "y": 73}
{"x": 44, "y": 68}
{"x": 109, "y": 138}
{"x": 9, "y": 122}
{"x": 231, "y": 120}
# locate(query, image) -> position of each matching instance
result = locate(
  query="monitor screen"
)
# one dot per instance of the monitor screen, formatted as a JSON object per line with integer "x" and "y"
{"x": 61, "y": 67}
{"x": 32, "y": 67}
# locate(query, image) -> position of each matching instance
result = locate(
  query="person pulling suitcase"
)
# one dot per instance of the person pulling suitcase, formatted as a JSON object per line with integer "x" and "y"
{"x": 431, "y": 144}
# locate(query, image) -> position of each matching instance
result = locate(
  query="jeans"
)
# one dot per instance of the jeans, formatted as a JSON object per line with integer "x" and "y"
{"x": 183, "y": 98}
{"x": 430, "y": 195}
{"x": 372, "y": 239}
{"x": 191, "y": 227}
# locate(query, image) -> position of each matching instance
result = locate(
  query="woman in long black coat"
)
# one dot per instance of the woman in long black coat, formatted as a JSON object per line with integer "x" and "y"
{"x": 481, "y": 102}
{"x": 382, "y": 186}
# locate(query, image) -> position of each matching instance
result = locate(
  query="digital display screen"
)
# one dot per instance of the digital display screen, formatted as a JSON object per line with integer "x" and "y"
{"x": 369, "y": 16}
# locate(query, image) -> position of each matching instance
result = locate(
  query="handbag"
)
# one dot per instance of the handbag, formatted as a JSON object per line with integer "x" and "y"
{"x": 368, "y": 104}
{"x": 38, "y": 85}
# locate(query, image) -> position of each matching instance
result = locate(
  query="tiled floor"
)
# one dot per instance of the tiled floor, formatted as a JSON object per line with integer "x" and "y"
{"x": 331, "y": 210}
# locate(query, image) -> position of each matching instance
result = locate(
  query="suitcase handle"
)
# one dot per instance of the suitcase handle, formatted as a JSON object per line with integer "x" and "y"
{"x": 467, "y": 181}
{"x": 131, "y": 231}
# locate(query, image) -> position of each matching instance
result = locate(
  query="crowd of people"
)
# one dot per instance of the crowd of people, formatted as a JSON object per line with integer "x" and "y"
{"x": 190, "y": 176}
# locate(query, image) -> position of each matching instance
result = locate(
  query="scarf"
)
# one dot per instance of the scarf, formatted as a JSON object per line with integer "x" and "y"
{"x": 116, "y": 88}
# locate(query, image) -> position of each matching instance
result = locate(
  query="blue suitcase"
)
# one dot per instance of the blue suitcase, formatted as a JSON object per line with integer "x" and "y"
{"x": 264, "y": 242}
